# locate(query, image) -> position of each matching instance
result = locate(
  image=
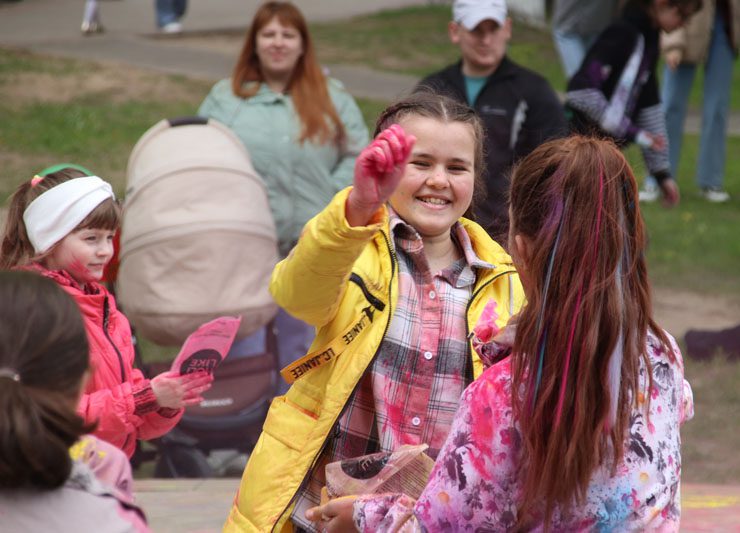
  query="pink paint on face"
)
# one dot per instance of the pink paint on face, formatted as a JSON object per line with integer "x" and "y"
{"x": 83, "y": 254}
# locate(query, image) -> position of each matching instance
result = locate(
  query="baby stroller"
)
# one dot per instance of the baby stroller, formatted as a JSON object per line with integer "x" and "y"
{"x": 231, "y": 415}
{"x": 197, "y": 242}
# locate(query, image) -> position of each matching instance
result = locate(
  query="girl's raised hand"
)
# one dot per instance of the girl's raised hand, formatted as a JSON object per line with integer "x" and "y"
{"x": 176, "y": 391}
{"x": 378, "y": 170}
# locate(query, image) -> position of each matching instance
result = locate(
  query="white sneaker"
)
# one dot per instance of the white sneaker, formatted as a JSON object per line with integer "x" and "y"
{"x": 649, "y": 193}
{"x": 91, "y": 27}
{"x": 715, "y": 195}
{"x": 172, "y": 27}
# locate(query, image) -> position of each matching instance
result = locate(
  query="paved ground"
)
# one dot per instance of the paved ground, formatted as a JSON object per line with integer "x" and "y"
{"x": 53, "y": 27}
{"x": 201, "y": 506}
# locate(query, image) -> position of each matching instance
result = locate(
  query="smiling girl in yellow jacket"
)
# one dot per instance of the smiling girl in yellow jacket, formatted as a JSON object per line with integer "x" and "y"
{"x": 393, "y": 279}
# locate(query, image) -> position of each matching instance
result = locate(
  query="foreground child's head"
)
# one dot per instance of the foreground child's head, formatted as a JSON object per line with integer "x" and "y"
{"x": 43, "y": 359}
{"x": 574, "y": 183}
{"x": 577, "y": 235}
{"x": 442, "y": 176}
{"x": 64, "y": 220}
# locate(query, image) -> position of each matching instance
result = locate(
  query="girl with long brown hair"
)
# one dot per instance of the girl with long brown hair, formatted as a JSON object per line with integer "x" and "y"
{"x": 302, "y": 130}
{"x": 575, "y": 425}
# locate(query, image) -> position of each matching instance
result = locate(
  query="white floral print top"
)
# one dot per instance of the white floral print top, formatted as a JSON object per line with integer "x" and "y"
{"x": 474, "y": 485}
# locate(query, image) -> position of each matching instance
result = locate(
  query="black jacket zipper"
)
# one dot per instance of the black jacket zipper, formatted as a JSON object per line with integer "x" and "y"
{"x": 372, "y": 299}
{"x": 376, "y": 302}
{"x": 106, "y": 319}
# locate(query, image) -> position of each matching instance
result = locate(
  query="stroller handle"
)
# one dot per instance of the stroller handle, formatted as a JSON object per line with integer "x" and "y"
{"x": 187, "y": 121}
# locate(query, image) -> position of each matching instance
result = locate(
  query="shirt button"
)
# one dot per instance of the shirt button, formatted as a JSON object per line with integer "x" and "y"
{"x": 428, "y": 356}
{"x": 416, "y": 421}
{"x": 432, "y": 294}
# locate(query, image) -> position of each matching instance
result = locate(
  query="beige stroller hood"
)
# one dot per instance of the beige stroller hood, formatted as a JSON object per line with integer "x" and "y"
{"x": 198, "y": 239}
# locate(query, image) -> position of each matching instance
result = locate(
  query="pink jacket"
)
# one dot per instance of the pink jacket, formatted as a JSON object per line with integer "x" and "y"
{"x": 117, "y": 395}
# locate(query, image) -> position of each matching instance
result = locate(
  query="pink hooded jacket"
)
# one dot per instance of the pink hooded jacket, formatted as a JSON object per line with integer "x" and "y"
{"x": 117, "y": 395}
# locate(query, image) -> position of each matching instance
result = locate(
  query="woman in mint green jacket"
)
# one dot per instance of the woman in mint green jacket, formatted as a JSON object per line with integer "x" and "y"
{"x": 302, "y": 130}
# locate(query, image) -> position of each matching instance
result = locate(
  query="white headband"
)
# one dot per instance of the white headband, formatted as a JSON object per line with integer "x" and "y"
{"x": 58, "y": 211}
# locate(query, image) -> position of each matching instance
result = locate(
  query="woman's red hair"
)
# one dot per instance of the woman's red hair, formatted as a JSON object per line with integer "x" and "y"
{"x": 575, "y": 199}
{"x": 307, "y": 86}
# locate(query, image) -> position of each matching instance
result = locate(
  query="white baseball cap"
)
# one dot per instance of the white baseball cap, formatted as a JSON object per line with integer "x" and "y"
{"x": 470, "y": 13}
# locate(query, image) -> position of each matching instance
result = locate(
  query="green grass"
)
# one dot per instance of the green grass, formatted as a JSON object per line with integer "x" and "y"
{"x": 371, "y": 109}
{"x": 695, "y": 246}
{"x": 98, "y": 128}
{"x": 85, "y": 130}
{"x": 409, "y": 40}
{"x": 25, "y": 62}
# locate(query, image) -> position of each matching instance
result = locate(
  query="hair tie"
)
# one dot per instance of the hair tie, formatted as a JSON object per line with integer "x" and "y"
{"x": 35, "y": 180}
{"x": 9, "y": 373}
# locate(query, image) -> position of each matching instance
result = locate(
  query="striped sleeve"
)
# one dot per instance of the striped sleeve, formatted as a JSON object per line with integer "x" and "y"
{"x": 652, "y": 120}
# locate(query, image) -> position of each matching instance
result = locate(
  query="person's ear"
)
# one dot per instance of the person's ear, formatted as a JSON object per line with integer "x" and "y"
{"x": 523, "y": 248}
{"x": 507, "y": 28}
{"x": 453, "y": 31}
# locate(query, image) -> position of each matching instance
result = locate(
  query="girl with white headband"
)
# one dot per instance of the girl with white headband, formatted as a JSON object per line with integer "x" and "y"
{"x": 61, "y": 226}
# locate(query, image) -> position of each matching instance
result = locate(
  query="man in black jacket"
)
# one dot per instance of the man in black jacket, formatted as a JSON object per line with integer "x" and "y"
{"x": 518, "y": 107}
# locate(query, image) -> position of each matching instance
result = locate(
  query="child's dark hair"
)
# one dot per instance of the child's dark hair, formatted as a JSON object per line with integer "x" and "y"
{"x": 426, "y": 103}
{"x": 16, "y": 249}
{"x": 575, "y": 200}
{"x": 43, "y": 357}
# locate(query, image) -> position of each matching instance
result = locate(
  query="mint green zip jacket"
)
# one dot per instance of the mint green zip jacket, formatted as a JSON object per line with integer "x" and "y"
{"x": 301, "y": 179}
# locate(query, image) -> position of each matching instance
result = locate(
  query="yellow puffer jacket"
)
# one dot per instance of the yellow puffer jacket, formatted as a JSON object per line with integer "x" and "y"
{"x": 333, "y": 277}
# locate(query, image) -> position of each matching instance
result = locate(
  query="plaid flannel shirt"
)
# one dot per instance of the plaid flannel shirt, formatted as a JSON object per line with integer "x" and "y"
{"x": 412, "y": 390}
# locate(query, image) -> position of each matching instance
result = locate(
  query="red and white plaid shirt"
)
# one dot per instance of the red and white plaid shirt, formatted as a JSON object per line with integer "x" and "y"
{"x": 412, "y": 390}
